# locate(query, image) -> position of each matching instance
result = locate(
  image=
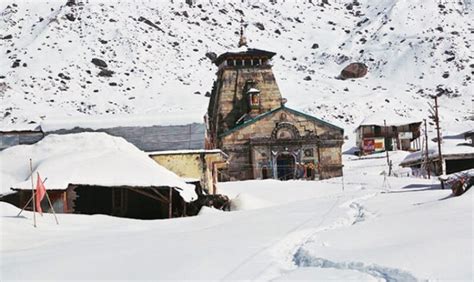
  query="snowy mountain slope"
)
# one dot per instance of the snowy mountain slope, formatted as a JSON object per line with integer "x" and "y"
{"x": 157, "y": 53}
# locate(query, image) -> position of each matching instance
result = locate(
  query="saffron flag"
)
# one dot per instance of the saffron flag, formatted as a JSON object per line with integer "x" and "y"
{"x": 40, "y": 192}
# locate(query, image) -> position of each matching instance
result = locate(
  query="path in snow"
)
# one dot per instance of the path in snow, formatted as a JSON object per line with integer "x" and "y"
{"x": 287, "y": 249}
{"x": 303, "y": 258}
{"x": 357, "y": 213}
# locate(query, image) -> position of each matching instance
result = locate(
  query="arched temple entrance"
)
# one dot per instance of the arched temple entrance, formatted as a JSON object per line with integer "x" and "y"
{"x": 285, "y": 166}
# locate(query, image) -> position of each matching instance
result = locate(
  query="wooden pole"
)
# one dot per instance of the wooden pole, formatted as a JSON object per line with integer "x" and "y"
{"x": 51, "y": 205}
{"x": 184, "y": 208}
{"x": 170, "y": 205}
{"x": 385, "y": 144}
{"x": 27, "y": 203}
{"x": 441, "y": 162}
{"x": 428, "y": 168}
{"x": 33, "y": 193}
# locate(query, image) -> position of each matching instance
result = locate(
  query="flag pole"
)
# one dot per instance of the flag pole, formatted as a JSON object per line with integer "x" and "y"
{"x": 33, "y": 194}
{"x": 51, "y": 205}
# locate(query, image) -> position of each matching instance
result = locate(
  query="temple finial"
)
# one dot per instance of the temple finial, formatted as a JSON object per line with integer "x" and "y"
{"x": 242, "y": 40}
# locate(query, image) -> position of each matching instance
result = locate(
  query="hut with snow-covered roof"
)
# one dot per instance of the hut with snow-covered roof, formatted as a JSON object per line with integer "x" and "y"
{"x": 95, "y": 173}
{"x": 384, "y": 131}
{"x": 174, "y": 135}
{"x": 457, "y": 155}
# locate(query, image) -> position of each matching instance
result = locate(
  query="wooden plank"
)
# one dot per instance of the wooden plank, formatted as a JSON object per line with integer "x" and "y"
{"x": 160, "y": 195}
{"x": 148, "y": 195}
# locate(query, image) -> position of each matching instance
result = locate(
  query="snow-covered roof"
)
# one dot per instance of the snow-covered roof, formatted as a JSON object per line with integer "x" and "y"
{"x": 178, "y": 152}
{"x": 86, "y": 159}
{"x": 95, "y": 122}
{"x": 20, "y": 127}
{"x": 390, "y": 118}
{"x": 450, "y": 148}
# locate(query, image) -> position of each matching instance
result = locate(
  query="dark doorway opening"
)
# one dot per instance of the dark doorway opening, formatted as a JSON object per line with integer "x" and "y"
{"x": 123, "y": 202}
{"x": 285, "y": 167}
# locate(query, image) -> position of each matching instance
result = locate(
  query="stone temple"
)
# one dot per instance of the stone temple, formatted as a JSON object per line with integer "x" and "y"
{"x": 248, "y": 120}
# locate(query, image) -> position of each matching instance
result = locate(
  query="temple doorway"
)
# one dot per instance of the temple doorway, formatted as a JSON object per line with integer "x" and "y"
{"x": 286, "y": 166}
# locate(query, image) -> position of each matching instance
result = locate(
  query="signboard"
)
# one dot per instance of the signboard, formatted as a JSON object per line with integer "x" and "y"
{"x": 373, "y": 144}
{"x": 379, "y": 144}
{"x": 405, "y": 135}
{"x": 369, "y": 145}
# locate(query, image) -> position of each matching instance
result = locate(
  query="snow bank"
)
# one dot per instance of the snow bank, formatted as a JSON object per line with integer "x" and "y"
{"x": 88, "y": 159}
{"x": 245, "y": 201}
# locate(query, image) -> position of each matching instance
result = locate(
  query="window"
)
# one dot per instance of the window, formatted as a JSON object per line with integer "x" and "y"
{"x": 230, "y": 63}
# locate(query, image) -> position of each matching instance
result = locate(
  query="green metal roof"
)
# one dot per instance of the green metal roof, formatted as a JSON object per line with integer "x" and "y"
{"x": 259, "y": 117}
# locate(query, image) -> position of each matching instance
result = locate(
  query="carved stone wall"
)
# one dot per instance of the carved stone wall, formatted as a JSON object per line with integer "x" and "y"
{"x": 255, "y": 147}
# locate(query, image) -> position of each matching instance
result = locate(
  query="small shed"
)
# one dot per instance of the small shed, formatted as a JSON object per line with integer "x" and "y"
{"x": 383, "y": 131}
{"x": 92, "y": 173}
{"x": 457, "y": 156}
{"x": 201, "y": 165}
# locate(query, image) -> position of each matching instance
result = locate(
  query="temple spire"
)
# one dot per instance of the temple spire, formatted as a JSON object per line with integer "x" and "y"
{"x": 242, "y": 40}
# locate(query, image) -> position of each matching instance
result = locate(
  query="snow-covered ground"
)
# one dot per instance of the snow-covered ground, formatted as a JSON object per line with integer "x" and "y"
{"x": 402, "y": 229}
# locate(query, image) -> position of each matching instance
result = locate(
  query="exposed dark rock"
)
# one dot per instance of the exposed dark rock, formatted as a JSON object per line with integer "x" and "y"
{"x": 307, "y": 78}
{"x": 70, "y": 17}
{"x": 354, "y": 70}
{"x": 99, "y": 63}
{"x": 315, "y": 46}
{"x": 105, "y": 73}
{"x": 445, "y": 74}
{"x": 211, "y": 56}
{"x": 208, "y": 94}
{"x": 9, "y": 36}
{"x": 71, "y": 3}
{"x": 150, "y": 23}
{"x": 63, "y": 76}
{"x": 277, "y": 31}
{"x": 16, "y": 64}
{"x": 260, "y": 26}
{"x": 113, "y": 83}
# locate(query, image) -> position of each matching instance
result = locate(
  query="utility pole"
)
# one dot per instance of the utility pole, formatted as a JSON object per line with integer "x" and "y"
{"x": 442, "y": 166}
{"x": 386, "y": 150}
{"x": 435, "y": 116}
{"x": 428, "y": 168}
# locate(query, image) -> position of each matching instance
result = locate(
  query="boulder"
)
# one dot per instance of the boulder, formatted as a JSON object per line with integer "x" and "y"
{"x": 99, "y": 63}
{"x": 354, "y": 70}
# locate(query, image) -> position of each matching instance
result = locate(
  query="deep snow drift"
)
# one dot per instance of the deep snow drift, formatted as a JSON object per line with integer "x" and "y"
{"x": 402, "y": 229}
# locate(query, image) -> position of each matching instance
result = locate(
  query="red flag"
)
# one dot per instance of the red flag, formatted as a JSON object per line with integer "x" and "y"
{"x": 40, "y": 192}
